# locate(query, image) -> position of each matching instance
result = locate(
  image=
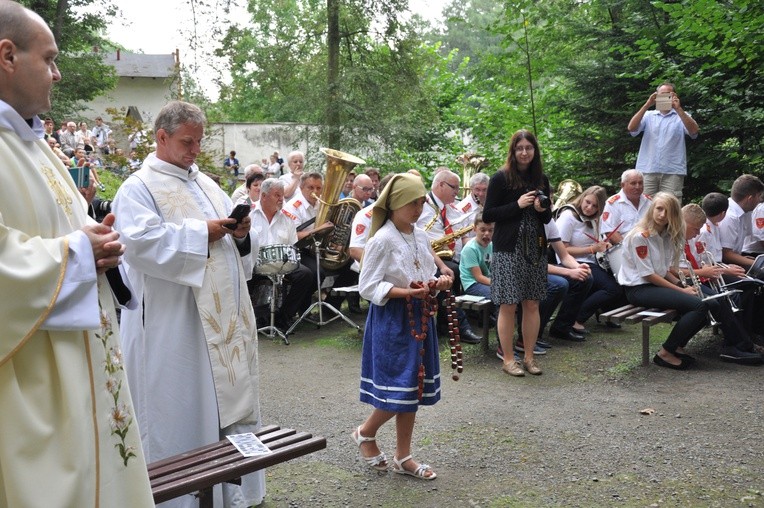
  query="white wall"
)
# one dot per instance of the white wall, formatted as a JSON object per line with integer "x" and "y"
{"x": 253, "y": 142}
{"x": 147, "y": 94}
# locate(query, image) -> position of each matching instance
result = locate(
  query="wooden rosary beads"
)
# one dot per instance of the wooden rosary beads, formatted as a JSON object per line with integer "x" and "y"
{"x": 429, "y": 309}
{"x": 454, "y": 340}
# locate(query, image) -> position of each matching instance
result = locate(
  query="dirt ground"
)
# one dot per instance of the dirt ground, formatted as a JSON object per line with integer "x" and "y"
{"x": 574, "y": 436}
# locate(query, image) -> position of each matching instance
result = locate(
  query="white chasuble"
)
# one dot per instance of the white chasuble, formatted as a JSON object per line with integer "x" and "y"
{"x": 68, "y": 434}
{"x": 191, "y": 346}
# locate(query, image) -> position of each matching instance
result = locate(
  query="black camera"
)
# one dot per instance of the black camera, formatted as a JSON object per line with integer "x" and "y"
{"x": 544, "y": 200}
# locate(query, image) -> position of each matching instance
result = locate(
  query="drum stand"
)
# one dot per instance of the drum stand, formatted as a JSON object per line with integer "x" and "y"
{"x": 271, "y": 330}
{"x": 320, "y": 303}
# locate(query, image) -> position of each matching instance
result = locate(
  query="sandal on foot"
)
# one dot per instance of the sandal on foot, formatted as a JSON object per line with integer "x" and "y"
{"x": 378, "y": 462}
{"x": 420, "y": 472}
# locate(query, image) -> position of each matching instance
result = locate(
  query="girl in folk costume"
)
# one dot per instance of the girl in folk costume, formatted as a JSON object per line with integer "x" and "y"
{"x": 579, "y": 225}
{"x": 650, "y": 249}
{"x": 400, "y": 367}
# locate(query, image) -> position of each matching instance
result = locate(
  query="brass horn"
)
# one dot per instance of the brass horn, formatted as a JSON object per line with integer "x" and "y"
{"x": 472, "y": 163}
{"x": 567, "y": 191}
{"x": 335, "y": 245}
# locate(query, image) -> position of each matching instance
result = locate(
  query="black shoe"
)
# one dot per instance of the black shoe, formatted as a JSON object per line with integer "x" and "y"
{"x": 683, "y": 363}
{"x": 568, "y": 334}
{"x": 734, "y": 355}
{"x": 355, "y": 309}
{"x": 469, "y": 337}
{"x": 612, "y": 324}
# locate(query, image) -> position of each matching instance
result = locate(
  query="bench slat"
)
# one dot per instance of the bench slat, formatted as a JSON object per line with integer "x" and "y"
{"x": 204, "y": 467}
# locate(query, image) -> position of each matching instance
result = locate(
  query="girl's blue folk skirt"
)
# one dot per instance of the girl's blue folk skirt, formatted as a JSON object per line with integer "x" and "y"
{"x": 391, "y": 358}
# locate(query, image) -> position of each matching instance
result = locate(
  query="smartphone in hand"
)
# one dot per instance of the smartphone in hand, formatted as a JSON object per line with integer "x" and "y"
{"x": 663, "y": 101}
{"x": 238, "y": 213}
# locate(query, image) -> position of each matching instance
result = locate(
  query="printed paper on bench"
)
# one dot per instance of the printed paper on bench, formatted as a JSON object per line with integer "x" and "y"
{"x": 248, "y": 444}
{"x": 471, "y": 298}
{"x": 650, "y": 314}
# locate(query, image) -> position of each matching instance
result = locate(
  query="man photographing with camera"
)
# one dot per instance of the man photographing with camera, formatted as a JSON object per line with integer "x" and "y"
{"x": 662, "y": 155}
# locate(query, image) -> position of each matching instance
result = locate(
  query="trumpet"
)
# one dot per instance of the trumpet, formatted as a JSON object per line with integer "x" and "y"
{"x": 695, "y": 284}
{"x": 706, "y": 259}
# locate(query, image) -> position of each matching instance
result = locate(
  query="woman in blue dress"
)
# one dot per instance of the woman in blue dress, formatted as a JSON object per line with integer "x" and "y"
{"x": 400, "y": 367}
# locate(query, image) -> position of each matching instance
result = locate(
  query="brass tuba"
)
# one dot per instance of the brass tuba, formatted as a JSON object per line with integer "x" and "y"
{"x": 472, "y": 163}
{"x": 567, "y": 191}
{"x": 335, "y": 245}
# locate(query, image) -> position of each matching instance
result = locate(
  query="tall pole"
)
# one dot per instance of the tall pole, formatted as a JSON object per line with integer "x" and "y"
{"x": 530, "y": 75}
{"x": 333, "y": 72}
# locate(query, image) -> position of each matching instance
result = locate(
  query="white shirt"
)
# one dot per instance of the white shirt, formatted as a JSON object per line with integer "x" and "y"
{"x": 281, "y": 230}
{"x": 360, "y": 232}
{"x": 388, "y": 262}
{"x": 735, "y": 227}
{"x": 456, "y": 219}
{"x": 299, "y": 210}
{"x": 710, "y": 236}
{"x": 755, "y": 242}
{"x": 644, "y": 254}
{"x": 551, "y": 231}
{"x": 618, "y": 208}
{"x": 469, "y": 208}
{"x": 573, "y": 232}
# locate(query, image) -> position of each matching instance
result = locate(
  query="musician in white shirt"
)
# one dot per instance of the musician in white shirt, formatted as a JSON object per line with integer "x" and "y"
{"x": 623, "y": 210}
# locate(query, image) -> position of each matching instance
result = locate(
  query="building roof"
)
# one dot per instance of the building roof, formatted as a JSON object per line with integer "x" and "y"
{"x": 135, "y": 65}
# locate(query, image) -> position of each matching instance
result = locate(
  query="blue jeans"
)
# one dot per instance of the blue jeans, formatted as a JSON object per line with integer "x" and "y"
{"x": 558, "y": 289}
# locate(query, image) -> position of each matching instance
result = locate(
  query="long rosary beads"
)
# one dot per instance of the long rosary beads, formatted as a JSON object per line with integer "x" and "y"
{"x": 454, "y": 340}
{"x": 429, "y": 309}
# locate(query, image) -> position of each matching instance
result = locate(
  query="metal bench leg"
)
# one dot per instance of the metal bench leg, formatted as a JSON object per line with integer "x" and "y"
{"x": 205, "y": 498}
{"x": 645, "y": 344}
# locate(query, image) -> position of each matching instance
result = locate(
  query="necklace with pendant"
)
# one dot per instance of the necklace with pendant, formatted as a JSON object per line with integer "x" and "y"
{"x": 415, "y": 250}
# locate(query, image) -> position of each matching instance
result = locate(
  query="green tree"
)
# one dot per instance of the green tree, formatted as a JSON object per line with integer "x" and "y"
{"x": 279, "y": 67}
{"x": 77, "y": 26}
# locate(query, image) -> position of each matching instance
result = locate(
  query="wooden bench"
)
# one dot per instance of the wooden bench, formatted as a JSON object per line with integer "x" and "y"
{"x": 484, "y": 307}
{"x": 648, "y": 317}
{"x": 201, "y": 469}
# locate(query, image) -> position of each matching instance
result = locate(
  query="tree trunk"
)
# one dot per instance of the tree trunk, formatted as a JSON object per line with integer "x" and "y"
{"x": 333, "y": 72}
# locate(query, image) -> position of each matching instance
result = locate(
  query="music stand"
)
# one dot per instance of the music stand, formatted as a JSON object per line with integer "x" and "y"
{"x": 317, "y": 237}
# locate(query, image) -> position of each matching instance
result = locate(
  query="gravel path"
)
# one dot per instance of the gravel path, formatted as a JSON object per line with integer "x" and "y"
{"x": 571, "y": 437}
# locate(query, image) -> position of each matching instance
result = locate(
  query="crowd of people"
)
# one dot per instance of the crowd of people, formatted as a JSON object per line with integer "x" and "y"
{"x": 177, "y": 265}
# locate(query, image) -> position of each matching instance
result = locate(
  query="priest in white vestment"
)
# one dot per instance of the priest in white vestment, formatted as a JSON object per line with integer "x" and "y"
{"x": 68, "y": 436}
{"x": 191, "y": 346}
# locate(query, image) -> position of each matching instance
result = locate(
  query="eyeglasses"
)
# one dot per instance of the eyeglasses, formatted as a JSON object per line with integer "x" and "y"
{"x": 520, "y": 149}
{"x": 365, "y": 189}
{"x": 453, "y": 187}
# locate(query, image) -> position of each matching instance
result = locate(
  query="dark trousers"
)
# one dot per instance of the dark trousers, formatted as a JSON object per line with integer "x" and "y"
{"x": 570, "y": 298}
{"x": 731, "y": 325}
{"x": 605, "y": 293}
{"x": 693, "y": 312}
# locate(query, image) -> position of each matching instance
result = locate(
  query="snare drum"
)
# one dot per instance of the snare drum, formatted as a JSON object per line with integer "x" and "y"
{"x": 611, "y": 260}
{"x": 277, "y": 259}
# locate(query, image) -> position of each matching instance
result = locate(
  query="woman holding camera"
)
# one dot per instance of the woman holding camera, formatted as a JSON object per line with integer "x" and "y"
{"x": 518, "y": 203}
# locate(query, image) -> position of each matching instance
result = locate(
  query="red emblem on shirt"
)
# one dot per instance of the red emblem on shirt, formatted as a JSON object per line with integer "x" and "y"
{"x": 605, "y": 215}
{"x": 297, "y": 204}
{"x": 290, "y": 215}
{"x": 467, "y": 208}
{"x": 613, "y": 199}
{"x": 700, "y": 248}
{"x": 359, "y": 229}
{"x": 760, "y": 222}
{"x": 370, "y": 213}
{"x": 642, "y": 251}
